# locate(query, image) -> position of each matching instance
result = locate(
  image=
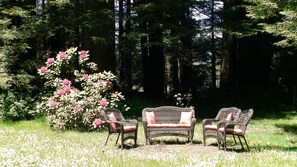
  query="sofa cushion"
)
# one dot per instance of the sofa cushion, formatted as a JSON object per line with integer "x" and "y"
{"x": 150, "y": 117}
{"x": 185, "y": 118}
{"x": 169, "y": 125}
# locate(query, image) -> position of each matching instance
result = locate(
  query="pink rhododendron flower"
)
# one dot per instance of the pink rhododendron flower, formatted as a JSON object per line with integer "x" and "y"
{"x": 43, "y": 69}
{"x": 67, "y": 89}
{"x": 62, "y": 55}
{"x": 53, "y": 104}
{"x": 61, "y": 92}
{"x": 108, "y": 83}
{"x": 83, "y": 52}
{"x": 77, "y": 108}
{"x": 103, "y": 102}
{"x": 101, "y": 81}
{"x": 85, "y": 76}
{"x": 98, "y": 122}
{"x": 50, "y": 60}
{"x": 72, "y": 49}
{"x": 66, "y": 82}
{"x": 82, "y": 56}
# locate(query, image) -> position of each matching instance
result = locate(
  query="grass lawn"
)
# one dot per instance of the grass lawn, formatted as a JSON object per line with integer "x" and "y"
{"x": 273, "y": 142}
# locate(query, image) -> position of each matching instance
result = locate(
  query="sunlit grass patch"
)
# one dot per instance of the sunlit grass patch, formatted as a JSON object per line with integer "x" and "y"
{"x": 33, "y": 143}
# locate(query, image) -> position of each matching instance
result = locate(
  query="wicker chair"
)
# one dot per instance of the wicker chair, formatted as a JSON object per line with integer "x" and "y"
{"x": 237, "y": 128}
{"x": 209, "y": 126}
{"x": 118, "y": 125}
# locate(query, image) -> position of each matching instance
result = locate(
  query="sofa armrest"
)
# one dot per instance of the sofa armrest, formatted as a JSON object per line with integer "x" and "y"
{"x": 193, "y": 122}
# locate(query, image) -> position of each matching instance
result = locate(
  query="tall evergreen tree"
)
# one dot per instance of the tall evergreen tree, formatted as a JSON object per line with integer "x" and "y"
{"x": 243, "y": 48}
{"x": 276, "y": 17}
{"x": 167, "y": 29}
{"x": 280, "y": 19}
{"x": 125, "y": 45}
{"x": 18, "y": 33}
{"x": 86, "y": 24}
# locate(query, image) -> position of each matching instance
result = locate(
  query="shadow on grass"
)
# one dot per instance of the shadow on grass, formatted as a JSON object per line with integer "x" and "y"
{"x": 173, "y": 142}
{"x": 238, "y": 149}
{"x": 279, "y": 148}
{"x": 288, "y": 128}
{"x": 129, "y": 146}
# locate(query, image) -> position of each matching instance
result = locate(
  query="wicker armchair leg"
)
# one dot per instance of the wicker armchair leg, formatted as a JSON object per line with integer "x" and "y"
{"x": 107, "y": 139}
{"x": 204, "y": 140}
{"x": 225, "y": 143}
{"x": 219, "y": 142}
{"x": 122, "y": 141}
{"x": 234, "y": 139}
{"x": 117, "y": 139}
{"x": 221, "y": 139}
{"x": 248, "y": 148}
{"x": 241, "y": 143}
{"x": 135, "y": 142}
{"x": 148, "y": 140}
{"x": 135, "y": 139}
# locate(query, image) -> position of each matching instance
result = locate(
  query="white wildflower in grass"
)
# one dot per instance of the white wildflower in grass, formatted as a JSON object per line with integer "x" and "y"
{"x": 33, "y": 144}
{"x": 7, "y": 152}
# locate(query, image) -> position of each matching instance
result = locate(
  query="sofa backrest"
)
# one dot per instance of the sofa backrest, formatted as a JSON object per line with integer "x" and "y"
{"x": 167, "y": 114}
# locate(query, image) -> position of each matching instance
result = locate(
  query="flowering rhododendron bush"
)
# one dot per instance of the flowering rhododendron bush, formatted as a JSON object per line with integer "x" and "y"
{"x": 79, "y": 94}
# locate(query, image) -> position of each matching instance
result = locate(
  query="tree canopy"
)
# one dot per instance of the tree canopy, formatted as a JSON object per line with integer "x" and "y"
{"x": 156, "y": 47}
{"x": 276, "y": 17}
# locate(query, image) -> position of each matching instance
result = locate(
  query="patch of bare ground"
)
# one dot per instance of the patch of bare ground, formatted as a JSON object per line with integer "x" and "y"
{"x": 179, "y": 149}
{"x": 174, "y": 148}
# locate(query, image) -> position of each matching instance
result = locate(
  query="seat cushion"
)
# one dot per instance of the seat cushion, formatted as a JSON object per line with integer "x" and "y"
{"x": 129, "y": 128}
{"x": 185, "y": 118}
{"x": 169, "y": 125}
{"x": 235, "y": 131}
{"x": 210, "y": 127}
{"x": 150, "y": 117}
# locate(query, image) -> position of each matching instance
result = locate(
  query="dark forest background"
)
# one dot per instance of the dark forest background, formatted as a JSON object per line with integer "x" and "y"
{"x": 225, "y": 53}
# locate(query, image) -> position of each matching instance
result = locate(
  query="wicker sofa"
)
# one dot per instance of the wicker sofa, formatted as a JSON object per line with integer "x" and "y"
{"x": 168, "y": 121}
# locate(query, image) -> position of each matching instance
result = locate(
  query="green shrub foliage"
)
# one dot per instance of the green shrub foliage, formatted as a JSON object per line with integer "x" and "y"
{"x": 78, "y": 99}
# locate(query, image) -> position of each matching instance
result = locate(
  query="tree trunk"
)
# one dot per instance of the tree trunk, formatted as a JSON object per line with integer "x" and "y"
{"x": 213, "y": 55}
{"x": 152, "y": 54}
{"x": 229, "y": 67}
{"x": 228, "y": 71}
{"x": 99, "y": 37}
{"x": 156, "y": 73}
{"x": 153, "y": 66}
{"x": 186, "y": 64}
{"x": 125, "y": 49}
